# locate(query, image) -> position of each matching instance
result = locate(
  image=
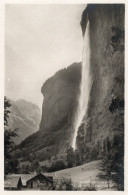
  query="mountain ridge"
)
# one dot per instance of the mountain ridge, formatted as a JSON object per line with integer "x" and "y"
{"x": 25, "y": 116}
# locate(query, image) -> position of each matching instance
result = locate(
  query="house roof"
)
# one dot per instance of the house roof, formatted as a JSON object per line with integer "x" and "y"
{"x": 26, "y": 177}
{"x": 40, "y": 174}
{"x": 11, "y": 181}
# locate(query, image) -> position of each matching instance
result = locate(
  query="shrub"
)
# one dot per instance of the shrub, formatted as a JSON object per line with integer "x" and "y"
{"x": 63, "y": 184}
{"x": 85, "y": 187}
{"x": 57, "y": 165}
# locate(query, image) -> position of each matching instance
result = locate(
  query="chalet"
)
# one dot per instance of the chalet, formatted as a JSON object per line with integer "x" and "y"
{"x": 40, "y": 180}
{"x": 12, "y": 182}
{"x": 28, "y": 182}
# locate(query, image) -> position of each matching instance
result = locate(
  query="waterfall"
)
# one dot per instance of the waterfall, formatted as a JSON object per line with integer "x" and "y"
{"x": 84, "y": 86}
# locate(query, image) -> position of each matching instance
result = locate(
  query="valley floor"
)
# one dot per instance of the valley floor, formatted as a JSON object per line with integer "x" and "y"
{"x": 84, "y": 175}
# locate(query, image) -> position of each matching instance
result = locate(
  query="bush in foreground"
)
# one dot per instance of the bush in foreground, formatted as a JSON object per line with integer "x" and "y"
{"x": 64, "y": 184}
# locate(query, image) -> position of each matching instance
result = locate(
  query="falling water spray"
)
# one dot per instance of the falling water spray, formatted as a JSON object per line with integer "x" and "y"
{"x": 85, "y": 86}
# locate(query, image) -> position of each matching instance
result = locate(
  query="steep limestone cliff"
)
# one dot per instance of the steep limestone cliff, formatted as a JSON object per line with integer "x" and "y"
{"x": 59, "y": 104}
{"x": 107, "y": 71}
{"x": 59, "y": 94}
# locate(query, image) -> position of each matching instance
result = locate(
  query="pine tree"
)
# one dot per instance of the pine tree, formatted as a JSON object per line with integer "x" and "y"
{"x": 70, "y": 157}
{"x": 113, "y": 157}
{"x": 10, "y": 164}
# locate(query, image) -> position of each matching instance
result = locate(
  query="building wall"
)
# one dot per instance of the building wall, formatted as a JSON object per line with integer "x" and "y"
{"x": 33, "y": 184}
{"x": 38, "y": 182}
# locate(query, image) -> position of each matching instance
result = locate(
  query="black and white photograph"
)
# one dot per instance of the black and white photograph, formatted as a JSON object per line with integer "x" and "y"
{"x": 64, "y": 99}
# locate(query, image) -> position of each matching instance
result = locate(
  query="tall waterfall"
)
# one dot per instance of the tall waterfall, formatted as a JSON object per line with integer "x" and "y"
{"x": 84, "y": 86}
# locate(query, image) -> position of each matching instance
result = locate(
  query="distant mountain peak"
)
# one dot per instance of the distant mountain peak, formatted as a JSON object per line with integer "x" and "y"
{"x": 25, "y": 116}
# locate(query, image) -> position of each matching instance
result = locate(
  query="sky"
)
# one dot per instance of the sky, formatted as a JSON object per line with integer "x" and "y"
{"x": 39, "y": 41}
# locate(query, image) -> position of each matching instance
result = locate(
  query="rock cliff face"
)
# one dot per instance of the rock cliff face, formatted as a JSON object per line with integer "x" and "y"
{"x": 60, "y": 100}
{"x": 25, "y": 116}
{"x": 107, "y": 71}
{"x": 59, "y": 104}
